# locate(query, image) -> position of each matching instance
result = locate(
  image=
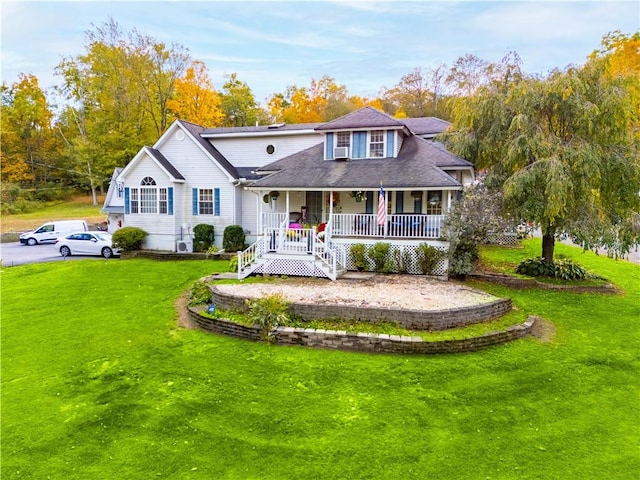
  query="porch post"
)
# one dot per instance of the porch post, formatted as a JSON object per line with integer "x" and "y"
{"x": 288, "y": 209}
{"x": 260, "y": 213}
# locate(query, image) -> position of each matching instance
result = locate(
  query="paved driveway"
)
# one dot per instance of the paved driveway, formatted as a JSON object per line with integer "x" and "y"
{"x": 17, "y": 254}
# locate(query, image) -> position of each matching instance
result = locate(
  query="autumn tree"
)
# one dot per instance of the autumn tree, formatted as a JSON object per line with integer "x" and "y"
{"x": 418, "y": 94}
{"x": 26, "y": 153}
{"x": 117, "y": 96}
{"x": 239, "y": 104}
{"x": 561, "y": 148}
{"x": 195, "y": 99}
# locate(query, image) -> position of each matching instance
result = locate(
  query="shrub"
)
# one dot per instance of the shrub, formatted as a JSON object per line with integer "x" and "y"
{"x": 562, "y": 268}
{"x": 402, "y": 259}
{"x": 200, "y": 294}
{"x": 358, "y": 254}
{"x": 536, "y": 267}
{"x": 428, "y": 258}
{"x": 233, "y": 239}
{"x": 202, "y": 237}
{"x": 269, "y": 312}
{"x": 233, "y": 264}
{"x": 129, "y": 238}
{"x": 379, "y": 254}
{"x": 567, "y": 269}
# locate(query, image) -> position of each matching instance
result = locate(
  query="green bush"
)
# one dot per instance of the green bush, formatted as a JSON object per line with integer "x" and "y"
{"x": 233, "y": 264}
{"x": 463, "y": 252}
{"x": 269, "y": 312}
{"x": 567, "y": 269}
{"x": 379, "y": 254}
{"x": 358, "y": 254}
{"x": 233, "y": 239}
{"x": 536, "y": 267}
{"x": 202, "y": 237}
{"x": 562, "y": 268}
{"x": 200, "y": 294}
{"x": 402, "y": 259}
{"x": 428, "y": 258}
{"x": 129, "y": 238}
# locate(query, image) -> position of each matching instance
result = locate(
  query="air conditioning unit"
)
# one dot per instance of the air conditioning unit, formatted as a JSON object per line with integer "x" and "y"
{"x": 184, "y": 246}
{"x": 341, "y": 152}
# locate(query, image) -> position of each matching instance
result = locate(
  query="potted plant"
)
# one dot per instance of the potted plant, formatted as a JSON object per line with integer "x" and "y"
{"x": 359, "y": 195}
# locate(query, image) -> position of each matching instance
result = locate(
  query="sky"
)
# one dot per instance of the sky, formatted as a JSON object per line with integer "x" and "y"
{"x": 365, "y": 45}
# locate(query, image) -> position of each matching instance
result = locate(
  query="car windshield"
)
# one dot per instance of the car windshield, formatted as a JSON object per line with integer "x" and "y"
{"x": 103, "y": 236}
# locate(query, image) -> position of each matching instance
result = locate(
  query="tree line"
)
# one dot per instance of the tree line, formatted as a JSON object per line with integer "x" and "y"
{"x": 561, "y": 147}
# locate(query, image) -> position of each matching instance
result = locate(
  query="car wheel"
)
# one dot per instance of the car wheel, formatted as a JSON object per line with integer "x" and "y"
{"x": 65, "y": 251}
{"x": 32, "y": 242}
{"x": 107, "y": 252}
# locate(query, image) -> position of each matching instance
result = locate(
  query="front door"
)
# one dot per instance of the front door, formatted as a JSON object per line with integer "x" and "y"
{"x": 314, "y": 207}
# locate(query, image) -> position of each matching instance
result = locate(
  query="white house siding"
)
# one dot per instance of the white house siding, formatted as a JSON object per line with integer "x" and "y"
{"x": 248, "y": 213}
{"x": 159, "y": 228}
{"x": 251, "y": 152}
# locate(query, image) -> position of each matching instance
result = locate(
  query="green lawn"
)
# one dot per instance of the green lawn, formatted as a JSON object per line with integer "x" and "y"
{"x": 98, "y": 382}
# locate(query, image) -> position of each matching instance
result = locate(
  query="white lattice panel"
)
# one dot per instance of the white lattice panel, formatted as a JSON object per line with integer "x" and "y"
{"x": 294, "y": 267}
{"x": 411, "y": 254}
{"x": 504, "y": 238}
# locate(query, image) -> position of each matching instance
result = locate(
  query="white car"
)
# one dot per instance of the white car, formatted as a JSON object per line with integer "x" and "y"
{"x": 87, "y": 243}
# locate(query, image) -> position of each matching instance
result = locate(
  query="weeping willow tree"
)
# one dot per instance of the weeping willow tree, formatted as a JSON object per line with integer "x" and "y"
{"x": 563, "y": 149}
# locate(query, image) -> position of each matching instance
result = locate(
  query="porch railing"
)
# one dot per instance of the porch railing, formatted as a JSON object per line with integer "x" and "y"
{"x": 397, "y": 226}
{"x": 273, "y": 220}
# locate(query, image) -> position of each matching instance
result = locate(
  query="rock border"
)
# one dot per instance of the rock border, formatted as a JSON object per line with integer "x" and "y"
{"x": 431, "y": 320}
{"x": 362, "y": 342}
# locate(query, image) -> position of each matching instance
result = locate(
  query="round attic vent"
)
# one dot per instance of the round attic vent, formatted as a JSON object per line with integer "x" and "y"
{"x": 180, "y": 135}
{"x": 270, "y": 149}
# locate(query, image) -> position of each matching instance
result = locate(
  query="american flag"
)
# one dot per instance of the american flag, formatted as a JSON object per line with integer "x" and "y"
{"x": 382, "y": 208}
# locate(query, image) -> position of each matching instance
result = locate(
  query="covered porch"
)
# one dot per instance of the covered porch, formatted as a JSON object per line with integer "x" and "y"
{"x": 409, "y": 214}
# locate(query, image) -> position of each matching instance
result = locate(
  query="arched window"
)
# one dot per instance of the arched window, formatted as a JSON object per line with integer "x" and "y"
{"x": 151, "y": 198}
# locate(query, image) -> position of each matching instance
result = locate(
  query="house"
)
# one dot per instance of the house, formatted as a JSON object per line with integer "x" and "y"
{"x": 303, "y": 193}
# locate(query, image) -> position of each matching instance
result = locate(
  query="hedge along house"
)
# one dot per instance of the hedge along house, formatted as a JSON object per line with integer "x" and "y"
{"x": 303, "y": 193}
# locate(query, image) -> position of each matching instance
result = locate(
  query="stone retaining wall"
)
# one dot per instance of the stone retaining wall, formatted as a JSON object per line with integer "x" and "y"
{"x": 409, "y": 319}
{"x": 364, "y": 342}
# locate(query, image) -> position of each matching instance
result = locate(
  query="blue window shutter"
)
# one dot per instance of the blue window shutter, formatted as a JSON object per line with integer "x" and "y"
{"x": 399, "y": 202}
{"x": 127, "y": 201}
{"x": 328, "y": 154}
{"x": 359, "y": 144}
{"x": 369, "y": 202}
{"x": 391, "y": 150}
{"x": 216, "y": 202}
{"x": 170, "y": 200}
{"x": 194, "y": 196}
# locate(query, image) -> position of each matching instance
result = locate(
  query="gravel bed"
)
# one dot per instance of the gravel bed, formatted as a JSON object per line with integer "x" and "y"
{"x": 401, "y": 291}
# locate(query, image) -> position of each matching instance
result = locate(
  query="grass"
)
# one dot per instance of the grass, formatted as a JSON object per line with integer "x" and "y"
{"x": 98, "y": 382}
{"x": 80, "y": 208}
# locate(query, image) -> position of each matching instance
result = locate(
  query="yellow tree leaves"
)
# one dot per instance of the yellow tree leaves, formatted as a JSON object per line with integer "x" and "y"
{"x": 195, "y": 100}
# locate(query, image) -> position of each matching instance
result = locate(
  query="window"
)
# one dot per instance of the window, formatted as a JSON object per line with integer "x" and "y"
{"x": 162, "y": 204}
{"x": 134, "y": 201}
{"x": 149, "y": 198}
{"x": 344, "y": 139}
{"x": 434, "y": 203}
{"x": 205, "y": 201}
{"x": 376, "y": 143}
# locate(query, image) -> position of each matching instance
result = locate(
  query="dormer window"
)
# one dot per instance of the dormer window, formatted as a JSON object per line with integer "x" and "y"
{"x": 376, "y": 143}
{"x": 344, "y": 139}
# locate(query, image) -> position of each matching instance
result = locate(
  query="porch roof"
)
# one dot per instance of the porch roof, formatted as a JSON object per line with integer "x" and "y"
{"x": 417, "y": 166}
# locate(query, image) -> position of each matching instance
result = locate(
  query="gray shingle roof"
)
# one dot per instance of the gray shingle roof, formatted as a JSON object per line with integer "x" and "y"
{"x": 426, "y": 125}
{"x": 367, "y": 117}
{"x": 166, "y": 164}
{"x": 417, "y": 166}
{"x": 260, "y": 129}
